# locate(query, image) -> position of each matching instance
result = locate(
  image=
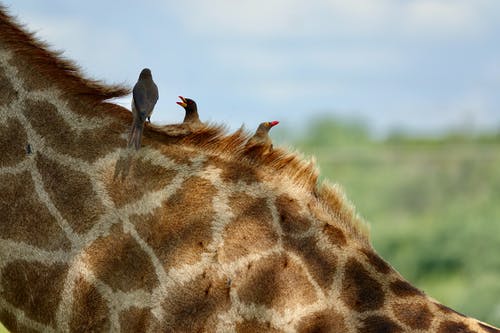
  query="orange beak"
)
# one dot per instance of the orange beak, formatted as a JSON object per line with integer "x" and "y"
{"x": 183, "y": 103}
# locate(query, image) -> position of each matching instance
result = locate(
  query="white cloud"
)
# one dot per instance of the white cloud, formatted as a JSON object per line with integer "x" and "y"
{"x": 441, "y": 18}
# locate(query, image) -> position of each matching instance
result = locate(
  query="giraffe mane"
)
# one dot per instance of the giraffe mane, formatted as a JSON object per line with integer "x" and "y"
{"x": 215, "y": 139}
{"x": 50, "y": 63}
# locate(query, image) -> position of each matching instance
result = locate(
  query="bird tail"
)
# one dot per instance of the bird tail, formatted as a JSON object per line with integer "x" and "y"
{"x": 135, "y": 137}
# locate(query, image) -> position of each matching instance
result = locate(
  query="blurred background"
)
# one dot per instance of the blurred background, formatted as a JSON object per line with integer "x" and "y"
{"x": 398, "y": 100}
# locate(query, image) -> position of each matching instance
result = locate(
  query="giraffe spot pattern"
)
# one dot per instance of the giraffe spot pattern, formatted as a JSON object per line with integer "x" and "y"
{"x": 415, "y": 315}
{"x": 404, "y": 289}
{"x": 322, "y": 321}
{"x": 378, "y": 263}
{"x": 71, "y": 192}
{"x": 292, "y": 222}
{"x": 445, "y": 309}
{"x": 90, "y": 309}
{"x": 233, "y": 172}
{"x": 88, "y": 145}
{"x": 453, "y": 327}
{"x": 276, "y": 282}
{"x": 255, "y": 326}
{"x": 322, "y": 265}
{"x": 13, "y": 140}
{"x": 179, "y": 235}
{"x": 250, "y": 230}
{"x": 142, "y": 177}
{"x": 18, "y": 202}
{"x": 129, "y": 268}
{"x": 379, "y": 324}
{"x": 10, "y": 322}
{"x": 32, "y": 76}
{"x": 195, "y": 305}
{"x": 34, "y": 288}
{"x": 335, "y": 235}
{"x": 7, "y": 91}
{"x": 489, "y": 329}
{"x": 360, "y": 291}
{"x": 135, "y": 320}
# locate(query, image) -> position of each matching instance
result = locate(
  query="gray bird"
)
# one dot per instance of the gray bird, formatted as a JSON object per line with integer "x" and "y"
{"x": 261, "y": 136}
{"x": 191, "y": 116}
{"x": 144, "y": 98}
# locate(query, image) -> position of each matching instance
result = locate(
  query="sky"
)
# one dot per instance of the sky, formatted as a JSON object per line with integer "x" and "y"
{"x": 423, "y": 66}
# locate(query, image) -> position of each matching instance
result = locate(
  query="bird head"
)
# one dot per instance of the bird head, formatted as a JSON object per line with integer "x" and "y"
{"x": 187, "y": 103}
{"x": 145, "y": 73}
{"x": 266, "y": 126}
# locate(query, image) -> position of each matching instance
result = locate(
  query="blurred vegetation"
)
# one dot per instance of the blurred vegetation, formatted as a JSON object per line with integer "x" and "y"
{"x": 433, "y": 204}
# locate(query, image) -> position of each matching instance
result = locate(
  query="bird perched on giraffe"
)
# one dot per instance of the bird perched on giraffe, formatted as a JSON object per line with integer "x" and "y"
{"x": 144, "y": 98}
{"x": 261, "y": 136}
{"x": 191, "y": 117}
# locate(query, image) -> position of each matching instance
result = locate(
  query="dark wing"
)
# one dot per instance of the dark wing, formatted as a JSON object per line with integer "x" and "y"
{"x": 145, "y": 95}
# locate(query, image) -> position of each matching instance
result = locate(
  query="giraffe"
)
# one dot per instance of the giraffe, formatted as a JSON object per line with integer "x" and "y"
{"x": 195, "y": 232}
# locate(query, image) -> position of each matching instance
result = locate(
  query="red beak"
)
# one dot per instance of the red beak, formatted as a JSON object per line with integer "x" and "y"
{"x": 183, "y": 103}
{"x": 273, "y": 123}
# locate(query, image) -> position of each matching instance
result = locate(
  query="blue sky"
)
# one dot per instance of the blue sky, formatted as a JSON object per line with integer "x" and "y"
{"x": 423, "y": 65}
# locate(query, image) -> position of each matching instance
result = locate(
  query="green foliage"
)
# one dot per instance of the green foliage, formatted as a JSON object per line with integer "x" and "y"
{"x": 433, "y": 204}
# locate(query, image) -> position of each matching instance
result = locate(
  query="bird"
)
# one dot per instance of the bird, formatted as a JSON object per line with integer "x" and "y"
{"x": 144, "y": 98}
{"x": 261, "y": 136}
{"x": 191, "y": 116}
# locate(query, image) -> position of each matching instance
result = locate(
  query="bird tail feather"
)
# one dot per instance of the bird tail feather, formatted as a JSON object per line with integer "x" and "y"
{"x": 135, "y": 137}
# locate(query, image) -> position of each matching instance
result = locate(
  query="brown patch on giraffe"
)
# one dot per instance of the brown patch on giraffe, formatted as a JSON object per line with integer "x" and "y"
{"x": 90, "y": 309}
{"x": 379, "y": 324}
{"x": 403, "y": 289}
{"x": 276, "y": 282}
{"x": 31, "y": 80}
{"x": 320, "y": 264}
{"x": 181, "y": 228}
{"x": 88, "y": 144}
{"x": 488, "y": 328}
{"x": 143, "y": 177}
{"x": 13, "y": 140}
{"x": 235, "y": 171}
{"x": 290, "y": 218}
{"x": 416, "y": 315}
{"x": 453, "y": 327}
{"x": 322, "y": 321}
{"x": 196, "y": 305}
{"x": 10, "y": 322}
{"x": 7, "y": 92}
{"x": 360, "y": 291}
{"x": 255, "y": 326}
{"x": 19, "y": 205}
{"x": 251, "y": 229}
{"x": 177, "y": 153}
{"x": 34, "y": 288}
{"x": 378, "y": 263}
{"x": 128, "y": 269}
{"x": 447, "y": 310}
{"x": 334, "y": 235}
{"x": 135, "y": 320}
{"x": 71, "y": 192}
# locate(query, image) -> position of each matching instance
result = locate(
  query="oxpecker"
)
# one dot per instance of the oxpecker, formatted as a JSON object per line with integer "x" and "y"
{"x": 191, "y": 116}
{"x": 144, "y": 98}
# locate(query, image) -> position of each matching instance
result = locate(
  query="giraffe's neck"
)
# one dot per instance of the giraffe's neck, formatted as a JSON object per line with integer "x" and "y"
{"x": 187, "y": 234}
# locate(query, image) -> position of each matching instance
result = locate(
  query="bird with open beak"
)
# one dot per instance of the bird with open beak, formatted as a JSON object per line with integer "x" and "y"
{"x": 261, "y": 136}
{"x": 191, "y": 108}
